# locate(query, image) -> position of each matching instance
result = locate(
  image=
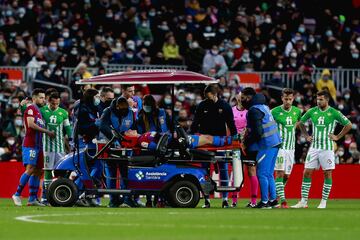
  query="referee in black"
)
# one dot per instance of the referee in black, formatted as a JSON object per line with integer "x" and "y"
{"x": 213, "y": 116}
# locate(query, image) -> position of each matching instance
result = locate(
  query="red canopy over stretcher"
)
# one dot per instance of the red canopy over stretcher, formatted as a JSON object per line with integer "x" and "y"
{"x": 149, "y": 77}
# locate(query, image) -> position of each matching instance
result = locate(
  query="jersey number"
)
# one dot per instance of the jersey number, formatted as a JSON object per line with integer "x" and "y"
{"x": 32, "y": 153}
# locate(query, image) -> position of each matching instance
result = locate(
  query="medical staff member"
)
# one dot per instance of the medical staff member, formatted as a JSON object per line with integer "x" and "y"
{"x": 213, "y": 116}
{"x": 152, "y": 119}
{"x": 262, "y": 137}
{"x": 121, "y": 117}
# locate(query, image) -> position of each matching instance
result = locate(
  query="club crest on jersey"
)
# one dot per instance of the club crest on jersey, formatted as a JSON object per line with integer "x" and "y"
{"x": 127, "y": 123}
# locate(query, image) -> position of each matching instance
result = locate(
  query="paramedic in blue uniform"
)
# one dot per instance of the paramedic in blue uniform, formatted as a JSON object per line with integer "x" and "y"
{"x": 213, "y": 116}
{"x": 120, "y": 117}
{"x": 262, "y": 137}
{"x": 152, "y": 119}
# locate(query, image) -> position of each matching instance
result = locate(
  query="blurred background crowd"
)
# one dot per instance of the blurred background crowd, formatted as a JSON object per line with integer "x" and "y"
{"x": 212, "y": 37}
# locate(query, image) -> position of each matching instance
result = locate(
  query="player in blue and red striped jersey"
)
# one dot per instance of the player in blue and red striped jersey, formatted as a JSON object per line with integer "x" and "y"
{"x": 32, "y": 150}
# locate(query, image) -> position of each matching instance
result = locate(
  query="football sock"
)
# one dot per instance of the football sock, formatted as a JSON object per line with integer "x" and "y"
{"x": 254, "y": 184}
{"x": 326, "y": 189}
{"x": 23, "y": 181}
{"x": 279, "y": 183}
{"x": 305, "y": 188}
{"x": 234, "y": 197}
{"x": 46, "y": 183}
{"x": 34, "y": 183}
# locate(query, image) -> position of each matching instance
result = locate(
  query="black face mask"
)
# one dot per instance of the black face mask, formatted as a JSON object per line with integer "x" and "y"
{"x": 245, "y": 104}
{"x": 107, "y": 103}
{"x": 123, "y": 111}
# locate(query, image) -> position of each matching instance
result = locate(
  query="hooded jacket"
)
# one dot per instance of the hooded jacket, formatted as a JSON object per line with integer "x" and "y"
{"x": 106, "y": 120}
{"x": 329, "y": 84}
{"x": 254, "y": 120}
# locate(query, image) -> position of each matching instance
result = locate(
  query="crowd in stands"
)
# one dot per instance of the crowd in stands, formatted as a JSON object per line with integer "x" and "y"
{"x": 211, "y": 37}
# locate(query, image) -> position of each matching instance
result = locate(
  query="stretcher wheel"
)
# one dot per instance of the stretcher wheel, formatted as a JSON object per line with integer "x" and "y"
{"x": 62, "y": 193}
{"x": 184, "y": 194}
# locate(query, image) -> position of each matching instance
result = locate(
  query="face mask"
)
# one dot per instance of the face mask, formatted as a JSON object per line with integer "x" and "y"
{"x": 325, "y": 78}
{"x": 293, "y": 64}
{"x": 110, "y": 15}
{"x": 15, "y": 105}
{"x": 61, "y": 44}
{"x": 195, "y": 45}
{"x": 183, "y": 27}
{"x": 246, "y": 55}
{"x": 58, "y": 73}
{"x": 108, "y": 103}
{"x": 123, "y": 111}
{"x": 222, "y": 30}
{"x": 129, "y": 55}
{"x": 280, "y": 66}
{"x": 181, "y": 98}
{"x": 147, "y": 109}
{"x": 272, "y": 46}
{"x": 258, "y": 54}
{"x": 293, "y": 54}
{"x": 15, "y": 60}
{"x": 18, "y": 122}
{"x": 341, "y": 153}
{"x": 311, "y": 40}
{"x": 52, "y": 66}
{"x": 66, "y": 34}
{"x": 237, "y": 46}
{"x": 268, "y": 20}
{"x": 152, "y": 13}
{"x": 355, "y": 55}
{"x": 351, "y": 152}
{"x": 298, "y": 99}
{"x": 329, "y": 33}
{"x": 226, "y": 94}
{"x": 230, "y": 54}
{"x": 354, "y": 126}
{"x": 214, "y": 52}
{"x": 104, "y": 63}
{"x": 52, "y": 49}
{"x": 117, "y": 91}
{"x": 167, "y": 101}
{"x": 10, "y": 141}
{"x": 92, "y": 62}
{"x": 301, "y": 29}
{"x": 198, "y": 101}
{"x": 147, "y": 43}
{"x": 74, "y": 52}
{"x": 341, "y": 107}
{"x": 208, "y": 29}
{"x": 164, "y": 27}
{"x": 96, "y": 102}
{"x": 338, "y": 47}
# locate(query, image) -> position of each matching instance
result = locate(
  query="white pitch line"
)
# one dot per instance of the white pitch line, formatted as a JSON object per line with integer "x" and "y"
{"x": 34, "y": 219}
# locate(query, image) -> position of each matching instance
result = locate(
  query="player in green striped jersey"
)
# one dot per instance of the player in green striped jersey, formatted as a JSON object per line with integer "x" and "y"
{"x": 321, "y": 153}
{"x": 286, "y": 117}
{"x": 56, "y": 119}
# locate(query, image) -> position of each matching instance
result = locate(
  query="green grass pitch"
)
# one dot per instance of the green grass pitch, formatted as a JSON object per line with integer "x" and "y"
{"x": 341, "y": 220}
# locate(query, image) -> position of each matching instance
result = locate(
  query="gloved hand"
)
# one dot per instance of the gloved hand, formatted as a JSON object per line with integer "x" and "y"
{"x": 236, "y": 137}
{"x": 117, "y": 144}
{"x": 97, "y": 122}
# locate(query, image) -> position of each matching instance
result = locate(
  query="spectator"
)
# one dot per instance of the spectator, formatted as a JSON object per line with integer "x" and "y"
{"x": 171, "y": 52}
{"x": 214, "y": 61}
{"x": 194, "y": 56}
{"x": 326, "y": 82}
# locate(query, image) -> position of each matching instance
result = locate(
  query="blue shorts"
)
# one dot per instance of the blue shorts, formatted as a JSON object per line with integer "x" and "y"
{"x": 33, "y": 156}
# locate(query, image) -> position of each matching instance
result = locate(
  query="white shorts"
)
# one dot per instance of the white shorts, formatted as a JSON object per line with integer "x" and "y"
{"x": 318, "y": 157}
{"x": 51, "y": 159}
{"x": 285, "y": 161}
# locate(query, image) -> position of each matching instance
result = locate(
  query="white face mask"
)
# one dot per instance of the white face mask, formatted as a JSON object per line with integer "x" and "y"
{"x": 66, "y": 34}
{"x": 117, "y": 90}
{"x": 341, "y": 153}
{"x": 226, "y": 94}
{"x": 10, "y": 141}
{"x": 18, "y": 122}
